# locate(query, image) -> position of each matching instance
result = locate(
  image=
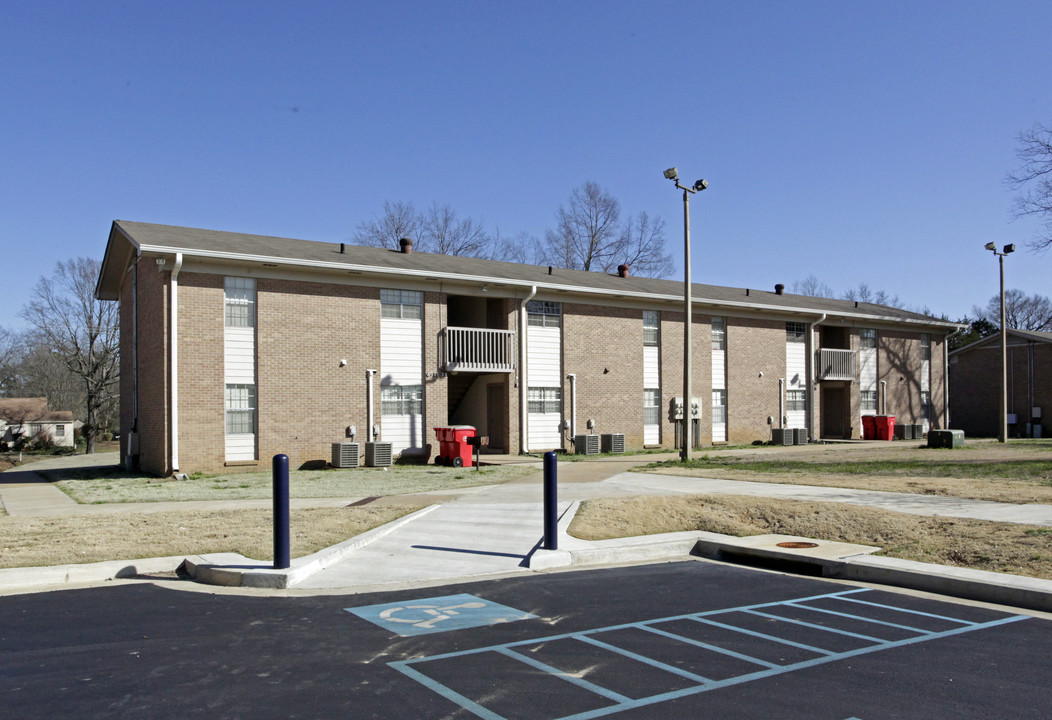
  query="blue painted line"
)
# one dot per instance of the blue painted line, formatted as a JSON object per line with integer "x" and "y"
{"x": 623, "y": 704}
{"x": 649, "y": 661}
{"x": 908, "y": 628}
{"x": 815, "y": 626}
{"x": 563, "y": 675}
{"x": 709, "y": 646}
{"x": 452, "y": 695}
{"x": 765, "y": 636}
{"x": 959, "y": 621}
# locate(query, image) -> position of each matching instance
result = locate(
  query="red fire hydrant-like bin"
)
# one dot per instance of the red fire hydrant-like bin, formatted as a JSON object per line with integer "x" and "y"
{"x": 453, "y": 446}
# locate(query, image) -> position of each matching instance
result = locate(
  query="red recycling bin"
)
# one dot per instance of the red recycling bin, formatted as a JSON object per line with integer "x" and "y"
{"x": 869, "y": 427}
{"x": 885, "y": 427}
{"x": 453, "y": 447}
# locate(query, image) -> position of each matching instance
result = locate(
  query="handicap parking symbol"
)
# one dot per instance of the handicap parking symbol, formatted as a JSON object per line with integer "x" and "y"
{"x": 438, "y": 614}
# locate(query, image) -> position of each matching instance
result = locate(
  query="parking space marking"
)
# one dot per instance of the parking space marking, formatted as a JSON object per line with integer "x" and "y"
{"x": 438, "y": 614}
{"x": 596, "y": 650}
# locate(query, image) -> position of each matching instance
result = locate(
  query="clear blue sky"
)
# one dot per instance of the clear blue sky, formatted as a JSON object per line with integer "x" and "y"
{"x": 855, "y": 141}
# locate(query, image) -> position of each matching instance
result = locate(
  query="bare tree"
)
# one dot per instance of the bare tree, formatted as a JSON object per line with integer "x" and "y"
{"x": 811, "y": 286}
{"x": 1022, "y": 311}
{"x": 588, "y": 235}
{"x": 83, "y": 332}
{"x": 444, "y": 233}
{"x": 1034, "y": 179}
{"x": 877, "y": 297}
{"x": 10, "y": 360}
{"x": 399, "y": 220}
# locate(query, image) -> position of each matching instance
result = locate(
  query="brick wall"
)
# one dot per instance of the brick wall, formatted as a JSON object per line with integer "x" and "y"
{"x": 436, "y": 387}
{"x": 202, "y": 403}
{"x": 753, "y": 347}
{"x": 975, "y": 388}
{"x": 899, "y": 361}
{"x": 153, "y": 367}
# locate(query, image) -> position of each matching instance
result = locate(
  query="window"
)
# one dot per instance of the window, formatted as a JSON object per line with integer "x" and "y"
{"x": 651, "y": 406}
{"x": 543, "y": 313}
{"x": 34, "y": 429}
{"x": 794, "y": 331}
{"x": 867, "y": 339}
{"x": 795, "y": 401}
{"x": 869, "y": 402}
{"x": 650, "y": 327}
{"x": 926, "y": 347}
{"x": 240, "y": 301}
{"x": 240, "y": 409}
{"x": 401, "y": 399}
{"x": 403, "y": 304}
{"x": 719, "y": 333}
{"x": 545, "y": 400}
{"x": 719, "y": 406}
{"x": 60, "y": 430}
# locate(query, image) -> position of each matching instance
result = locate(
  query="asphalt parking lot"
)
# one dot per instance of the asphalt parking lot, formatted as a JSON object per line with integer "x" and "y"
{"x": 690, "y": 639}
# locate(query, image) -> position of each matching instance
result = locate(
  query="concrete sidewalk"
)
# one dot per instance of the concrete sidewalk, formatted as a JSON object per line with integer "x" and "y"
{"x": 497, "y": 530}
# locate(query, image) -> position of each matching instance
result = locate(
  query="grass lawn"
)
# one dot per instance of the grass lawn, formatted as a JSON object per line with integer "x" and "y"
{"x": 114, "y": 485}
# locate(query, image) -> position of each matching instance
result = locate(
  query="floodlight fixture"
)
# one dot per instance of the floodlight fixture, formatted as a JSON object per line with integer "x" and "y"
{"x": 672, "y": 174}
{"x": 700, "y": 185}
{"x": 990, "y": 246}
{"x": 1009, "y": 248}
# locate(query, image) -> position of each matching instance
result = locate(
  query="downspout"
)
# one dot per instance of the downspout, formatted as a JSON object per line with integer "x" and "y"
{"x": 174, "y": 359}
{"x": 781, "y": 403}
{"x": 523, "y": 396}
{"x": 883, "y": 397}
{"x": 812, "y": 427}
{"x": 572, "y": 377}
{"x": 946, "y": 380}
{"x": 369, "y": 405}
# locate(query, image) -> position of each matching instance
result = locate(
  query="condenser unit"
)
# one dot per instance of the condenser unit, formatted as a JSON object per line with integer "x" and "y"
{"x": 613, "y": 442}
{"x": 586, "y": 444}
{"x": 346, "y": 454}
{"x": 378, "y": 454}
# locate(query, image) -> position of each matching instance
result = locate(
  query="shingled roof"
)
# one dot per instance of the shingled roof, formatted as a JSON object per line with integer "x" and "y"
{"x": 127, "y": 238}
{"x": 16, "y": 411}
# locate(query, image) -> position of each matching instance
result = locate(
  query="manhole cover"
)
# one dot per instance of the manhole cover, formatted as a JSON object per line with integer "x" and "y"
{"x": 797, "y": 545}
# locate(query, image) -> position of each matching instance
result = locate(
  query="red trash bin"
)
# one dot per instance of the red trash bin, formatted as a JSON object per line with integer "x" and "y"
{"x": 885, "y": 427}
{"x": 453, "y": 445}
{"x": 869, "y": 427}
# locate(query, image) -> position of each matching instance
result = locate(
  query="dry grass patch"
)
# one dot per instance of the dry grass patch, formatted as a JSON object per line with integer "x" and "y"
{"x": 981, "y": 545}
{"x": 39, "y": 541}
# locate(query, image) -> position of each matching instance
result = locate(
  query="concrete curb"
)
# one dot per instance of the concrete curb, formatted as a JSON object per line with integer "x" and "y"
{"x": 234, "y": 570}
{"x": 43, "y": 578}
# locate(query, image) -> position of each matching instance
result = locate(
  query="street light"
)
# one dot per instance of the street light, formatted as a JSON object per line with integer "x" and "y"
{"x": 673, "y": 175}
{"x": 1002, "y": 426}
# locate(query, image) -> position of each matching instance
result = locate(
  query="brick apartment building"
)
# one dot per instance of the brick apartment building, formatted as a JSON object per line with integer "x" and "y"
{"x": 975, "y": 383}
{"x": 238, "y": 347}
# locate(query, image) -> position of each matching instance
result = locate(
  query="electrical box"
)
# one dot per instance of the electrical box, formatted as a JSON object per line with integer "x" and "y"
{"x": 1035, "y": 413}
{"x": 677, "y": 408}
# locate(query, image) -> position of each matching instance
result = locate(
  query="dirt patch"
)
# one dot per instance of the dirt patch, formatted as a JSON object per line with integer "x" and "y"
{"x": 981, "y": 545}
{"x": 38, "y": 541}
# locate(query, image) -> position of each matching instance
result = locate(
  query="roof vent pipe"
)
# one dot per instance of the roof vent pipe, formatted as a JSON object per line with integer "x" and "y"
{"x": 779, "y": 289}
{"x": 406, "y": 245}
{"x": 341, "y": 248}
{"x": 549, "y": 269}
{"x": 622, "y": 270}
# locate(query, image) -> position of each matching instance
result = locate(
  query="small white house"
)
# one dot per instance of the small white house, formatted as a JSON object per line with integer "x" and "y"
{"x": 30, "y": 418}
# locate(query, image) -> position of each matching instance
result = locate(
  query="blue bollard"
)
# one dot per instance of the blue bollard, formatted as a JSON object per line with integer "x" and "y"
{"x": 551, "y": 519}
{"x": 281, "y": 512}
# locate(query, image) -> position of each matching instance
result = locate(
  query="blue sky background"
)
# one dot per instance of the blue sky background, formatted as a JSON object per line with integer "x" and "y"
{"x": 860, "y": 142}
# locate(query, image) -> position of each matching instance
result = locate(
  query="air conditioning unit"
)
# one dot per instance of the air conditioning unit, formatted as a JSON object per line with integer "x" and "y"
{"x": 346, "y": 454}
{"x": 378, "y": 454}
{"x": 799, "y": 436}
{"x": 586, "y": 444}
{"x": 782, "y": 436}
{"x": 613, "y": 442}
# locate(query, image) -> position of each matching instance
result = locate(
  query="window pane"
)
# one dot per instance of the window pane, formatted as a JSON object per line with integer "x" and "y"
{"x": 650, "y": 327}
{"x": 240, "y": 409}
{"x": 794, "y": 331}
{"x": 719, "y": 406}
{"x": 719, "y": 333}
{"x": 239, "y": 301}
{"x": 795, "y": 400}
{"x": 868, "y": 339}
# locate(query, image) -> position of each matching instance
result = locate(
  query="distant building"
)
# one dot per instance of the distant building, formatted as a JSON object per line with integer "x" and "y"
{"x": 238, "y": 347}
{"x": 30, "y": 418}
{"x": 975, "y": 385}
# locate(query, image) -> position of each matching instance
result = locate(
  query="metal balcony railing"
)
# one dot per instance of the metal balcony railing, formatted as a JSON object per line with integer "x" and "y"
{"x": 836, "y": 365}
{"x": 478, "y": 350}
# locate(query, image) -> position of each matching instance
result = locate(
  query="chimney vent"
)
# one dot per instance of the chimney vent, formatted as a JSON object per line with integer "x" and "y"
{"x": 341, "y": 248}
{"x": 622, "y": 270}
{"x": 407, "y": 246}
{"x": 549, "y": 269}
{"x": 779, "y": 289}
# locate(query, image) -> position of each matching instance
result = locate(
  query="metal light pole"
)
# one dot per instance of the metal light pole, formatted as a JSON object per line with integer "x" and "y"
{"x": 1002, "y": 425}
{"x": 673, "y": 175}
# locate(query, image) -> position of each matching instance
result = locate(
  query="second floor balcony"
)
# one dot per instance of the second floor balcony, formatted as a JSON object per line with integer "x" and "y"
{"x": 836, "y": 364}
{"x": 478, "y": 350}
